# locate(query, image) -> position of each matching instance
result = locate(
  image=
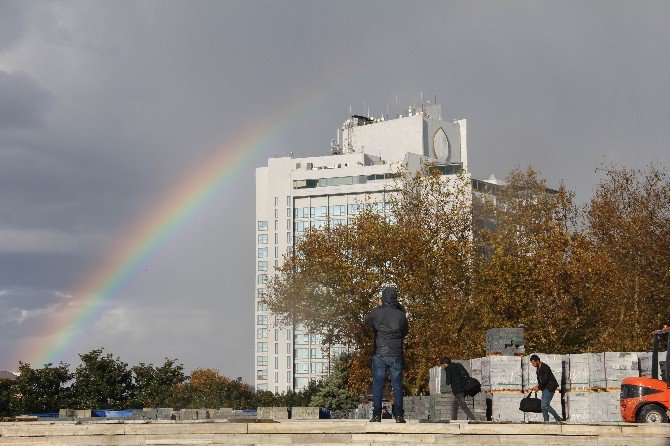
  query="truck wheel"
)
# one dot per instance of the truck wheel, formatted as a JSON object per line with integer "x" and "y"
{"x": 652, "y": 414}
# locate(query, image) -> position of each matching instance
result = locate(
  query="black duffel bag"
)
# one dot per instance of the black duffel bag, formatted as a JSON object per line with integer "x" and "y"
{"x": 472, "y": 386}
{"x": 528, "y": 404}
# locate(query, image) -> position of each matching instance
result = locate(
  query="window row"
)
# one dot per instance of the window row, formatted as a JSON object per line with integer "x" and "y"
{"x": 307, "y": 353}
{"x": 341, "y": 181}
{"x": 315, "y": 367}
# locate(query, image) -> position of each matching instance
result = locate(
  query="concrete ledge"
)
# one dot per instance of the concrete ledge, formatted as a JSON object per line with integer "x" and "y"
{"x": 357, "y": 432}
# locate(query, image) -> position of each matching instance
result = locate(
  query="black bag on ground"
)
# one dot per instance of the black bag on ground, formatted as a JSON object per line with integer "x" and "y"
{"x": 528, "y": 404}
{"x": 472, "y": 386}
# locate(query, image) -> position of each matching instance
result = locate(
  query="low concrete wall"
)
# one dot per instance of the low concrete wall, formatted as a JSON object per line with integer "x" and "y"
{"x": 326, "y": 432}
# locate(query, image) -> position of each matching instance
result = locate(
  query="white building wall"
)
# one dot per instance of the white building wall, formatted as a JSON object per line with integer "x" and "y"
{"x": 293, "y": 194}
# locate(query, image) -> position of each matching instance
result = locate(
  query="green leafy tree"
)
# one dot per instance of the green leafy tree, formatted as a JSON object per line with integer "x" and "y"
{"x": 6, "y": 386}
{"x": 40, "y": 390}
{"x": 155, "y": 386}
{"x": 102, "y": 382}
{"x": 334, "y": 393}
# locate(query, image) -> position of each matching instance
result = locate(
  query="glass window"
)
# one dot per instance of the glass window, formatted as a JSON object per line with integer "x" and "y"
{"x": 288, "y": 347}
{"x": 262, "y": 361}
{"x": 288, "y": 200}
{"x": 262, "y": 279}
{"x": 301, "y": 383}
{"x": 262, "y": 265}
{"x": 260, "y": 293}
{"x": 262, "y": 253}
{"x": 288, "y": 223}
{"x": 301, "y": 226}
{"x": 318, "y": 224}
{"x": 317, "y": 339}
{"x": 262, "y": 225}
{"x": 337, "y": 351}
{"x": 354, "y": 209}
{"x": 261, "y": 306}
{"x": 276, "y": 238}
{"x": 288, "y": 212}
{"x": 288, "y": 377}
{"x": 302, "y": 367}
{"x": 289, "y": 335}
{"x": 261, "y": 374}
{"x": 317, "y": 353}
{"x": 319, "y": 211}
{"x": 262, "y": 386}
{"x": 276, "y": 362}
{"x": 338, "y": 210}
{"x": 276, "y": 348}
{"x": 276, "y": 377}
{"x": 301, "y": 353}
{"x": 276, "y": 225}
{"x": 261, "y": 333}
{"x": 262, "y": 347}
{"x": 318, "y": 367}
{"x": 276, "y": 201}
{"x": 276, "y": 338}
{"x": 276, "y": 213}
{"x": 288, "y": 238}
{"x": 276, "y": 263}
{"x": 302, "y": 339}
{"x": 288, "y": 362}
{"x": 300, "y": 327}
{"x": 262, "y": 239}
{"x": 261, "y": 319}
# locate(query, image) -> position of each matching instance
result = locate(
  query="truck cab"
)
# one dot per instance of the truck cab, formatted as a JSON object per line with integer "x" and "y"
{"x": 647, "y": 400}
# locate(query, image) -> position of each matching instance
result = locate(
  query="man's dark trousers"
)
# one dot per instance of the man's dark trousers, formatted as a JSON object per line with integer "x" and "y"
{"x": 459, "y": 401}
{"x": 380, "y": 364}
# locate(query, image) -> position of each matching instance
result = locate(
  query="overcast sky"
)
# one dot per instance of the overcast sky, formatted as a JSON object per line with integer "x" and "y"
{"x": 105, "y": 106}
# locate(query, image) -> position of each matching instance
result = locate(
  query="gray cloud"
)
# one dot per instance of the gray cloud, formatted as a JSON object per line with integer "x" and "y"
{"x": 12, "y": 25}
{"x": 23, "y": 103}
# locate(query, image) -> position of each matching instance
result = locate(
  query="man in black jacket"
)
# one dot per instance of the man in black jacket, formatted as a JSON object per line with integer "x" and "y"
{"x": 390, "y": 324}
{"x": 457, "y": 376}
{"x": 547, "y": 383}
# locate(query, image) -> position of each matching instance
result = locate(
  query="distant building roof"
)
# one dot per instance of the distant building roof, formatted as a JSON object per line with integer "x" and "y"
{"x": 7, "y": 375}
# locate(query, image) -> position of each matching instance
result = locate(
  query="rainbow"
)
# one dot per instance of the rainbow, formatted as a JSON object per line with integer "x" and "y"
{"x": 193, "y": 192}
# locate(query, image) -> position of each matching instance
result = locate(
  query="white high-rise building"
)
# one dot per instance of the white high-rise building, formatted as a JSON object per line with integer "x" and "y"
{"x": 293, "y": 194}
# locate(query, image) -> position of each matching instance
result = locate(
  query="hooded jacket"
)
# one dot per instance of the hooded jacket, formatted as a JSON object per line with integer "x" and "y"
{"x": 390, "y": 324}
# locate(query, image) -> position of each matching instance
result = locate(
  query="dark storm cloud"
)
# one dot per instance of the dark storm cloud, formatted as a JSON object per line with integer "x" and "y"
{"x": 23, "y": 102}
{"x": 106, "y": 106}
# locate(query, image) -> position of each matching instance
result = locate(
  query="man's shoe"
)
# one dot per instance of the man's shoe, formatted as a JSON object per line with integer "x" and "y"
{"x": 376, "y": 419}
{"x": 400, "y": 419}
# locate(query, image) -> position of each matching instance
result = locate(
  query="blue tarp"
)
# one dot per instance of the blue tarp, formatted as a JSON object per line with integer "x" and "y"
{"x": 44, "y": 415}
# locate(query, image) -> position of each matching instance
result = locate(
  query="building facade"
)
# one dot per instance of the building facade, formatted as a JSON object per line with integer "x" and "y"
{"x": 294, "y": 194}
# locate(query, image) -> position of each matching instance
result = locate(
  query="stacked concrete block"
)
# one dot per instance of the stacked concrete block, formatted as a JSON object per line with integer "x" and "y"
{"x": 585, "y": 371}
{"x": 644, "y": 360}
{"x": 437, "y": 382}
{"x": 66, "y": 413}
{"x": 273, "y": 413}
{"x": 440, "y": 407}
{"x": 505, "y": 341}
{"x": 581, "y": 407}
{"x": 304, "y": 413}
{"x": 476, "y": 369}
{"x": 82, "y": 413}
{"x": 505, "y": 407}
{"x": 416, "y": 407}
{"x": 619, "y": 365}
{"x": 529, "y": 373}
{"x": 501, "y": 373}
{"x": 593, "y": 407}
